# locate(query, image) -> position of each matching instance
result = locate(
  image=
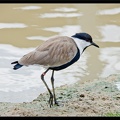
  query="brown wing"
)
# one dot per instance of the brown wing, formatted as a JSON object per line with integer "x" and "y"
{"x": 53, "y": 52}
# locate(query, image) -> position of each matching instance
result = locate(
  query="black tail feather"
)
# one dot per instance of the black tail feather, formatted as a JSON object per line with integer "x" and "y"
{"x": 14, "y": 62}
{"x": 17, "y": 66}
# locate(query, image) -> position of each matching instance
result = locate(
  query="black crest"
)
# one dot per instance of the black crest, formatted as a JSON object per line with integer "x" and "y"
{"x": 84, "y": 36}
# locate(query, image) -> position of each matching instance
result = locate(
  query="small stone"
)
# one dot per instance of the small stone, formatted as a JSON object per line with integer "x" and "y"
{"x": 80, "y": 99}
{"x": 103, "y": 98}
{"x": 82, "y": 95}
{"x": 92, "y": 99}
{"x": 106, "y": 87}
{"x": 60, "y": 97}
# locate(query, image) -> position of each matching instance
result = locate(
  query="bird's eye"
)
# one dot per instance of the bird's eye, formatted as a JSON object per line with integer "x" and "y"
{"x": 87, "y": 40}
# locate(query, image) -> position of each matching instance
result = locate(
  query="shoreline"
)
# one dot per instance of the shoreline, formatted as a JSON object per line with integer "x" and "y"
{"x": 84, "y": 98}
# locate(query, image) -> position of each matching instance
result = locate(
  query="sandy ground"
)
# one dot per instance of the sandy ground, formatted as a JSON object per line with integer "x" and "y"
{"x": 84, "y": 98}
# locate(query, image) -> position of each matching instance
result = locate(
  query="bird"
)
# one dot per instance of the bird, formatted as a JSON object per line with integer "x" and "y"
{"x": 56, "y": 53}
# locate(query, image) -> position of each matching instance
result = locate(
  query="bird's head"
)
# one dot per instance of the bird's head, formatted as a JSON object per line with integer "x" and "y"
{"x": 85, "y": 40}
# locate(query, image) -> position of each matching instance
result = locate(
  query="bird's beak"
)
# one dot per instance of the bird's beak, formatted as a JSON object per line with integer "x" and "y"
{"x": 95, "y": 44}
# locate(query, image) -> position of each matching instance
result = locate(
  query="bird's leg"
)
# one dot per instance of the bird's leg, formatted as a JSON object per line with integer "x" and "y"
{"x": 51, "y": 95}
{"x": 52, "y": 81}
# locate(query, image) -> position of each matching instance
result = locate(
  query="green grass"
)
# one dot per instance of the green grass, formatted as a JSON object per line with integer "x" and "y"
{"x": 113, "y": 114}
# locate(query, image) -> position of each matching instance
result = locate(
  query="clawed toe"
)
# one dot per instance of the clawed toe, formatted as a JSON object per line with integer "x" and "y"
{"x": 51, "y": 101}
{"x": 56, "y": 103}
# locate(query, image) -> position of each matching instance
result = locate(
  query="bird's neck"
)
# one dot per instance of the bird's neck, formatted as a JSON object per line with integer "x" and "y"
{"x": 80, "y": 44}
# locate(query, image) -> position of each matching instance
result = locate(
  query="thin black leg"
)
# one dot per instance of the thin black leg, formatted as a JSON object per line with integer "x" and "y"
{"x": 52, "y": 81}
{"x": 51, "y": 95}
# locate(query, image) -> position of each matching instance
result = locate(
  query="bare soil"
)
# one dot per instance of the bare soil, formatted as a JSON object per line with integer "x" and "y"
{"x": 84, "y": 98}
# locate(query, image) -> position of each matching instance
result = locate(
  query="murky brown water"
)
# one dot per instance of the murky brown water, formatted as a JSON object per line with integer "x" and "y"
{"x": 25, "y": 26}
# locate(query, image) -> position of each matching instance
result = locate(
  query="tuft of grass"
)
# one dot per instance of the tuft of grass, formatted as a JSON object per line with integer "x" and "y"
{"x": 117, "y": 114}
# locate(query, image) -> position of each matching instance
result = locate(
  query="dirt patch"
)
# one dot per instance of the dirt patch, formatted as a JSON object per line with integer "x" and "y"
{"x": 89, "y": 98}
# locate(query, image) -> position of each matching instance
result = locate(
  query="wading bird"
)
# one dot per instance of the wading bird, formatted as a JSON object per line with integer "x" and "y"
{"x": 55, "y": 54}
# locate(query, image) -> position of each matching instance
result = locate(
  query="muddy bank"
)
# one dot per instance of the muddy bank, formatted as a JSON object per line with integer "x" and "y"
{"x": 84, "y": 98}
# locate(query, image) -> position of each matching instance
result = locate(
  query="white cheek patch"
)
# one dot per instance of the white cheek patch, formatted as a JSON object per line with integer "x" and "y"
{"x": 86, "y": 43}
{"x": 81, "y": 44}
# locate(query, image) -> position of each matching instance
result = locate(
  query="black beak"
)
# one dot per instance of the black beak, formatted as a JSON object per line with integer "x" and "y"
{"x": 95, "y": 44}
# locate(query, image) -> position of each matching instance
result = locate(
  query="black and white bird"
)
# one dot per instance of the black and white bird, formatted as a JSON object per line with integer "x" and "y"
{"x": 57, "y": 53}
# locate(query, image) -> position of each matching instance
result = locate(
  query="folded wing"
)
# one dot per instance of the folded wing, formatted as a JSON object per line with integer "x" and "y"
{"x": 53, "y": 52}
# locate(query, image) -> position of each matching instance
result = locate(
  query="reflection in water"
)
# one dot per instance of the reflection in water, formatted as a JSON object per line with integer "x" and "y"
{"x": 109, "y": 33}
{"x": 54, "y": 29}
{"x": 12, "y": 25}
{"x": 109, "y": 11}
{"x": 55, "y": 15}
{"x": 37, "y": 38}
{"x": 65, "y": 9}
{"x": 68, "y": 30}
{"x": 111, "y": 56}
{"x": 29, "y": 8}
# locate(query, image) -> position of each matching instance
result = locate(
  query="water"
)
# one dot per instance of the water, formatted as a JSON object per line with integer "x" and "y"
{"x": 25, "y": 26}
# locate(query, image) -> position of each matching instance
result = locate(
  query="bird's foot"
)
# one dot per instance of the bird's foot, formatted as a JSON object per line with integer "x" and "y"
{"x": 56, "y": 103}
{"x": 51, "y": 100}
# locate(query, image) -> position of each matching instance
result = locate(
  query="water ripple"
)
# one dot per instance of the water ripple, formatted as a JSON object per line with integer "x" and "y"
{"x": 29, "y": 8}
{"x": 110, "y": 33}
{"x": 12, "y": 25}
{"x": 56, "y": 15}
{"x": 109, "y": 11}
{"x": 111, "y": 56}
{"x": 65, "y": 9}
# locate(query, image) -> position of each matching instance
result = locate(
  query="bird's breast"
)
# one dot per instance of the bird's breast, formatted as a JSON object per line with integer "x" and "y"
{"x": 77, "y": 56}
